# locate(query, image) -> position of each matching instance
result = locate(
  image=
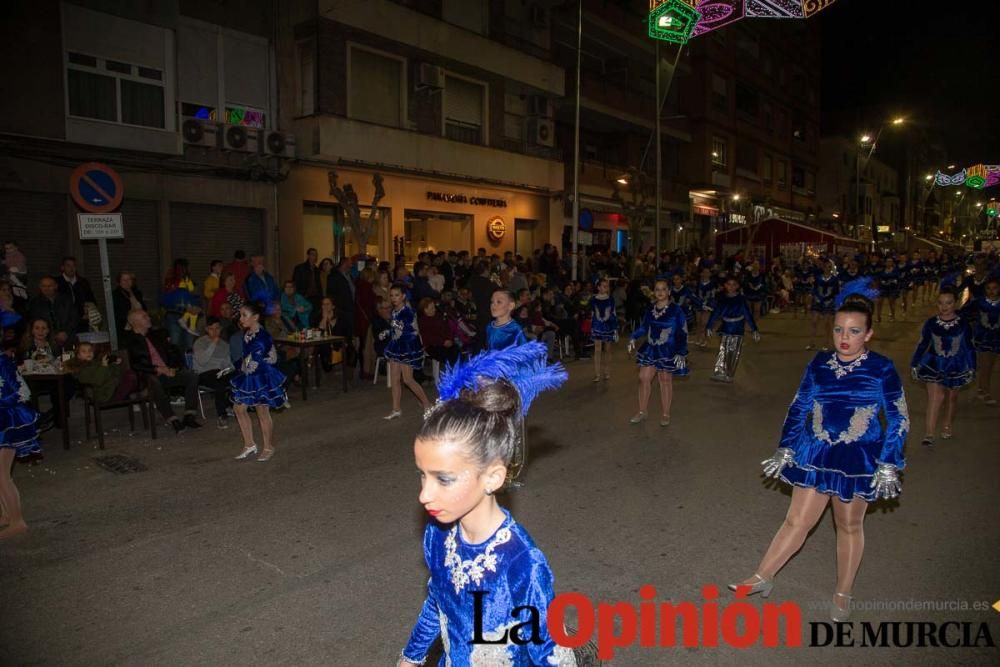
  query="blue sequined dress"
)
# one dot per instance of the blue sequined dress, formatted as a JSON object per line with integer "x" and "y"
{"x": 603, "y": 320}
{"x": 504, "y": 336}
{"x": 687, "y": 301}
{"x": 945, "y": 354}
{"x": 888, "y": 284}
{"x": 825, "y": 290}
{"x": 754, "y": 287}
{"x": 404, "y": 347}
{"x": 258, "y": 382}
{"x": 833, "y": 425}
{"x": 985, "y": 317}
{"x": 512, "y": 571}
{"x": 666, "y": 345}
{"x": 18, "y": 420}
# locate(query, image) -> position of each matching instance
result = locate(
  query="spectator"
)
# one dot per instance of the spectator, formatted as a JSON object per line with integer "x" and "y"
{"x": 226, "y": 293}
{"x": 56, "y": 309}
{"x": 212, "y": 280}
{"x": 260, "y": 286}
{"x": 306, "y": 277}
{"x": 364, "y": 308}
{"x": 212, "y": 364}
{"x": 107, "y": 378}
{"x": 481, "y": 288}
{"x": 41, "y": 347}
{"x": 181, "y": 301}
{"x": 382, "y": 285}
{"x": 295, "y": 307}
{"x": 159, "y": 363}
{"x": 341, "y": 290}
{"x": 239, "y": 268}
{"x": 330, "y": 325}
{"x": 435, "y": 333}
{"x": 289, "y": 361}
{"x": 14, "y": 259}
{"x": 126, "y": 298}
{"x": 381, "y": 330}
{"x": 326, "y": 268}
{"x": 16, "y": 324}
{"x": 229, "y": 319}
{"x": 77, "y": 289}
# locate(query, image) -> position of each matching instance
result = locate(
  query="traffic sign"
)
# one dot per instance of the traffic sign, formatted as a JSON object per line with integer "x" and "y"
{"x": 100, "y": 226}
{"x": 96, "y": 187}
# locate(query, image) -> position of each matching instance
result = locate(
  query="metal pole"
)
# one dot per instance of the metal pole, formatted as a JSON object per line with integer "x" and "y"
{"x": 102, "y": 245}
{"x": 659, "y": 155}
{"x": 576, "y": 147}
{"x": 857, "y": 194}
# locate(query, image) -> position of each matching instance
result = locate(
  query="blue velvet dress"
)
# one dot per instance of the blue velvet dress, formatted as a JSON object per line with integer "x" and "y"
{"x": 734, "y": 311}
{"x": 258, "y": 382}
{"x": 405, "y": 347}
{"x": 502, "y": 337}
{"x": 985, "y": 317}
{"x": 825, "y": 290}
{"x": 666, "y": 334}
{"x": 512, "y": 571}
{"x": 18, "y": 420}
{"x": 888, "y": 284}
{"x": 754, "y": 287}
{"x": 706, "y": 293}
{"x": 603, "y": 320}
{"x": 945, "y": 354}
{"x": 833, "y": 425}
{"x": 687, "y": 301}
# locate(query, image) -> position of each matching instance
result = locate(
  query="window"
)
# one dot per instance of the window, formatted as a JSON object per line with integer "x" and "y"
{"x": 720, "y": 93}
{"x": 307, "y": 77}
{"x": 718, "y": 151}
{"x": 782, "y": 174}
{"x": 114, "y": 91}
{"x": 765, "y": 168}
{"x": 746, "y": 157}
{"x": 746, "y": 99}
{"x": 377, "y": 84}
{"x": 464, "y": 104}
{"x": 798, "y": 177}
{"x": 469, "y": 14}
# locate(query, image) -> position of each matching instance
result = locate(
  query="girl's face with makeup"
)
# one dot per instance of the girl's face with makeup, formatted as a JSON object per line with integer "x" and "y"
{"x": 451, "y": 485}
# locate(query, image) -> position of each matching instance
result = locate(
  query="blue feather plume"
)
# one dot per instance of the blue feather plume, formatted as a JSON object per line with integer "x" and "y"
{"x": 8, "y": 318}
{"x": 862, "y": 286}
{"x": 525, "y": 367}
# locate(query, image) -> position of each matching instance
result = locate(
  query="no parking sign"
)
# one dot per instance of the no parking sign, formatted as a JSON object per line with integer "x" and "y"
{"x": 96, "y": 187}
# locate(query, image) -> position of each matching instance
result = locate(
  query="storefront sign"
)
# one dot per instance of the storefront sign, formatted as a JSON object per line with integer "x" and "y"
{"x": 883, "y": 229}
{"x": 705, "y": 210}
{"x": 464, "y": 199}
{"x": 737, "y": 219}
{"x": 496, "y": 228}
{"x": 100, "y": 226}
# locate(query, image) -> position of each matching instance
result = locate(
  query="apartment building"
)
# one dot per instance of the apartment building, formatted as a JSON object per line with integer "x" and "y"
{"x": 858, "y": 195}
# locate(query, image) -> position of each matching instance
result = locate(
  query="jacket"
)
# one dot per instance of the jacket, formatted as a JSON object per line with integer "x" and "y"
{"x": 138, "y": 353}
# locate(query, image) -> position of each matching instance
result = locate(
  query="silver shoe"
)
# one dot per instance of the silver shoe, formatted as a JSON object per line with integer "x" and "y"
{"x": 763, "y": 586}
{"x": 665, "y": 421}
{"x": 837, "y": 614}
{"x": 246, "y": 453}
{"x": 639, "y": 417}
{"x": 395, "y": 414}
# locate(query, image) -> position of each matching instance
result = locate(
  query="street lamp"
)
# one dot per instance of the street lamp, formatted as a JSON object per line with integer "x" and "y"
{"x": 865, "y": 138}
{"x": 928, "y": 177}
{"x": 736, "y": 197}
{"x": 623, "y": 180}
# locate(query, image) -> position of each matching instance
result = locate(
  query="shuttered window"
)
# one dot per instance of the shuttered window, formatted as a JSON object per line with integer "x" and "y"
{"x": 376, "y": 90}
{"x": 463, "y": 109}
{"x": 200, "y": 233}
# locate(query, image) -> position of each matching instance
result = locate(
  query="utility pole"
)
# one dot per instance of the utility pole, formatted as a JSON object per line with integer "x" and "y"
{"x": 659, "y": 156}
{"x": 574, "y": 253}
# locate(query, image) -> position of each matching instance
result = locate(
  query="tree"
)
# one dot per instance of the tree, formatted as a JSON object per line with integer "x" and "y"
{"x": 636, "y": 208}
{"x": 348, "y": 200}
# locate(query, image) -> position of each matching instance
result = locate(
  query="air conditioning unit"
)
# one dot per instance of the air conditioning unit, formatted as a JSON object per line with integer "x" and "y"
{"x": 200, "y": 132}
{"x": 539, "y": 16}
{"x": 239, "y": 138}
{"x": 430, "y": 76}
{"x": 278, "y": 143}
{"x": 541, "y": 132}
{"x": 538, "y": 105}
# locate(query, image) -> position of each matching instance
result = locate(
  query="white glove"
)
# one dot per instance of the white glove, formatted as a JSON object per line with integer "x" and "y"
{"x": 630, "y": 350}
{"x": 885, "y": 481}
{"x": 781, "y": 459}
{"x": 756, "y": 336}
{"x": 680, "y": 362}
{"x": 709, "y": 333}
{"x": 914, "y": 373}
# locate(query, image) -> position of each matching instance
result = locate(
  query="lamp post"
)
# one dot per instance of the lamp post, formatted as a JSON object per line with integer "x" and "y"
{"x": 867, "y": 140}
{"x": 574, "y": 252}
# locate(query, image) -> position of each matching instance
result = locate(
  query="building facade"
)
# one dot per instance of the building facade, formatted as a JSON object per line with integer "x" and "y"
{"x": 858, "y": 194}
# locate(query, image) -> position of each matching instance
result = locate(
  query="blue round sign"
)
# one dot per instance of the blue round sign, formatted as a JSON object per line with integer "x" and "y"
{"x": 96, "y": 187}
{"x": 586, "y": 220}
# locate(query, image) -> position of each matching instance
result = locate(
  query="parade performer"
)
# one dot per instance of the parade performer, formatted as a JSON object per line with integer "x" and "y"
{"x": 755, "y": 289}
{"x": 803, "y": 286}
{"x": 503, "y": 331}
{"x": 603, "y": 328}
{"x": 705, "y": 291}
{"x": 734, "y": 311}
{"x": 483, "y": 564}
{"x": 834, "y": 449}
{"x": 404, "y": 352}
{"x": 824, "y": 292}
{"x": 19, "y": 424}
{"x": 663, "y": 354}
{"x": 888, "y": 287}
{"x": 685, "y": 299}
{"x": 258, "y": 384}
{"x": 984, "y": 313}
{"x": 945, "y": 360}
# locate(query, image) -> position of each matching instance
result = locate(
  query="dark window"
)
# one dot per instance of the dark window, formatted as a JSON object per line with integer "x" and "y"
{"x": 142, "y": 104}
{"x": 746, "y": 157}
{"x": 150, "y": 73}
{"x": 92, "y": 95}
{"x": 115, "y": 66}
{"x": 80, "y": 59}
{"x": 798, "y": 177}
{"x": 746, "y": 99}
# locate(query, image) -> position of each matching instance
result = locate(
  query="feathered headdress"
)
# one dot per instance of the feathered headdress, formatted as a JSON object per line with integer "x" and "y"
{"x": 8, "y": 318}
{"x": 524, "y": 366}
{"x": 861, "y": 286}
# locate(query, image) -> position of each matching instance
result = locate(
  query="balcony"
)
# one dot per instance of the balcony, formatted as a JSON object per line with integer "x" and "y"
{"x": 336, "y": 139}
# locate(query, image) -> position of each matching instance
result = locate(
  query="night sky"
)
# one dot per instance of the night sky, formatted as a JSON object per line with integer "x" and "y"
{"x": 929, "y": 62}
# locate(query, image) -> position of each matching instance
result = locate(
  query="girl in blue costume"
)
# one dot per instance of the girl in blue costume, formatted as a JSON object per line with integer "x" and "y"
{"x": 473, "y": 544}
{"x": 824, "y": 292}
{"x": 945, "y": 360}
{"x": 755, "y": 289}
{"x": 404, "y": 352}
{"x": 888, "y": 287}
{"x": 603, "y": 328}
{"x": 984, "y": 313}
{"x": 705, "y": 291}
{"x": 834, "y": 450}
{"x": 503, "y": 331}
{"x": 734, "y": 311}
{"x": 803, "y": 286}
{"x": 257, "y": 384}
{"x": 663, "y": 354}
{"x": 18, "y": 431}
{"x": 685, "y": 299}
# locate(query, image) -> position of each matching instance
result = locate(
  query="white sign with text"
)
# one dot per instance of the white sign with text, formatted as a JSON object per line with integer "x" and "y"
{"x": 100, "y": 226}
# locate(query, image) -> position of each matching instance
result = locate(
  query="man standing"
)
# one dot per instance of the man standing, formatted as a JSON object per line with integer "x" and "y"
{"x": 306, "y": 277}
{"x": 239, "y": 268}
{"x": 56, "y": 309}
{"x": 261, "y": 285}
{"x": 77, "y": 289}
{"x": 340, "y": 287}
{"x": 154, "y": 358}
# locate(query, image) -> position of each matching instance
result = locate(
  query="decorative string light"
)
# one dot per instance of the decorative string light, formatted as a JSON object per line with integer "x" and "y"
{"x": 978, "y": 176}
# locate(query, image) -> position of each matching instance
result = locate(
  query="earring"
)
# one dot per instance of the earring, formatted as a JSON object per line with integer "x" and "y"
{"x": 489, "y": 492}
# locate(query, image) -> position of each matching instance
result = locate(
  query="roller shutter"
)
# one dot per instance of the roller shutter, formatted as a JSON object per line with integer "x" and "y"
{"x": 200, "y": 233}
{"x": 36, "y": 221}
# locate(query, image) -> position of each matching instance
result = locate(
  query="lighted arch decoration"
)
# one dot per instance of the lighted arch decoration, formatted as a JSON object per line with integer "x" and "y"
{"x": 977, "y": 177}
{"x": 679, "y": 20}
{"x": 992, "y": 208}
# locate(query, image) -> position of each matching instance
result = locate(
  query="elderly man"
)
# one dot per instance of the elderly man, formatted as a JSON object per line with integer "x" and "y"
{"x": 158, "y": 361}
{"x": 77, "y": 288}
{"x": 56, "y": 309}
{"x": 260, "y": 285}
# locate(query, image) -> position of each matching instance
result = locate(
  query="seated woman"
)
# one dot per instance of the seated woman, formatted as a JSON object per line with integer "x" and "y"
{"x": 330, "y": 325}
{"x": 435, "y": 333}
{"x": 106, "y": 378}
{"x": 294, "y": 307}
{"x": 40, "y": 348}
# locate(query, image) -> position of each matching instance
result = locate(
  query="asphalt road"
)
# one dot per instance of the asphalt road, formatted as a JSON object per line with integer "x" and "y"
{"x": 315, "y": 557}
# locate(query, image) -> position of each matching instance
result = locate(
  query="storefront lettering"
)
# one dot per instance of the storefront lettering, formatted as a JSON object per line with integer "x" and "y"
{"x": 450, "y": 198}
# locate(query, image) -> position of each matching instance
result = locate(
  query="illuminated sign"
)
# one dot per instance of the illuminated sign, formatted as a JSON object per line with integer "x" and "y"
{"x": 673, "y": 21}
{"x": 883, "y": 229}
{"x": 496, "y": 228}
{"x": 245, "y": 116}
{"x": 449, "y": 198}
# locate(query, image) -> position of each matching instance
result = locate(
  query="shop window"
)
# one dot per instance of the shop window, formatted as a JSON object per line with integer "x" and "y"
{"x": 377, "y": 87}
{"x": 720, "y": 93}
{"x": 718, "y": 152}
{"x": 114, "y": 91}
{"x": 464, "y": 105}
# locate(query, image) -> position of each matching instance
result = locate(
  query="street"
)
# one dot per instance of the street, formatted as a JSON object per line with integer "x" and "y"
{"x": 315, "y": 557}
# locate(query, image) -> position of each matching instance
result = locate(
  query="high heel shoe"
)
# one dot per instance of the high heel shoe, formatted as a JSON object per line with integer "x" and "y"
{"x": 266, "y": 455}
{"x": 837, "y": 613}
{"x": 762, "y": 586}
{"x": 665, "y": 421}
{"x": 246, "y": 453}
{"x": 946, "y": 433}
{"x": 639, "y": 417}
{"x": 395, "y": 414}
